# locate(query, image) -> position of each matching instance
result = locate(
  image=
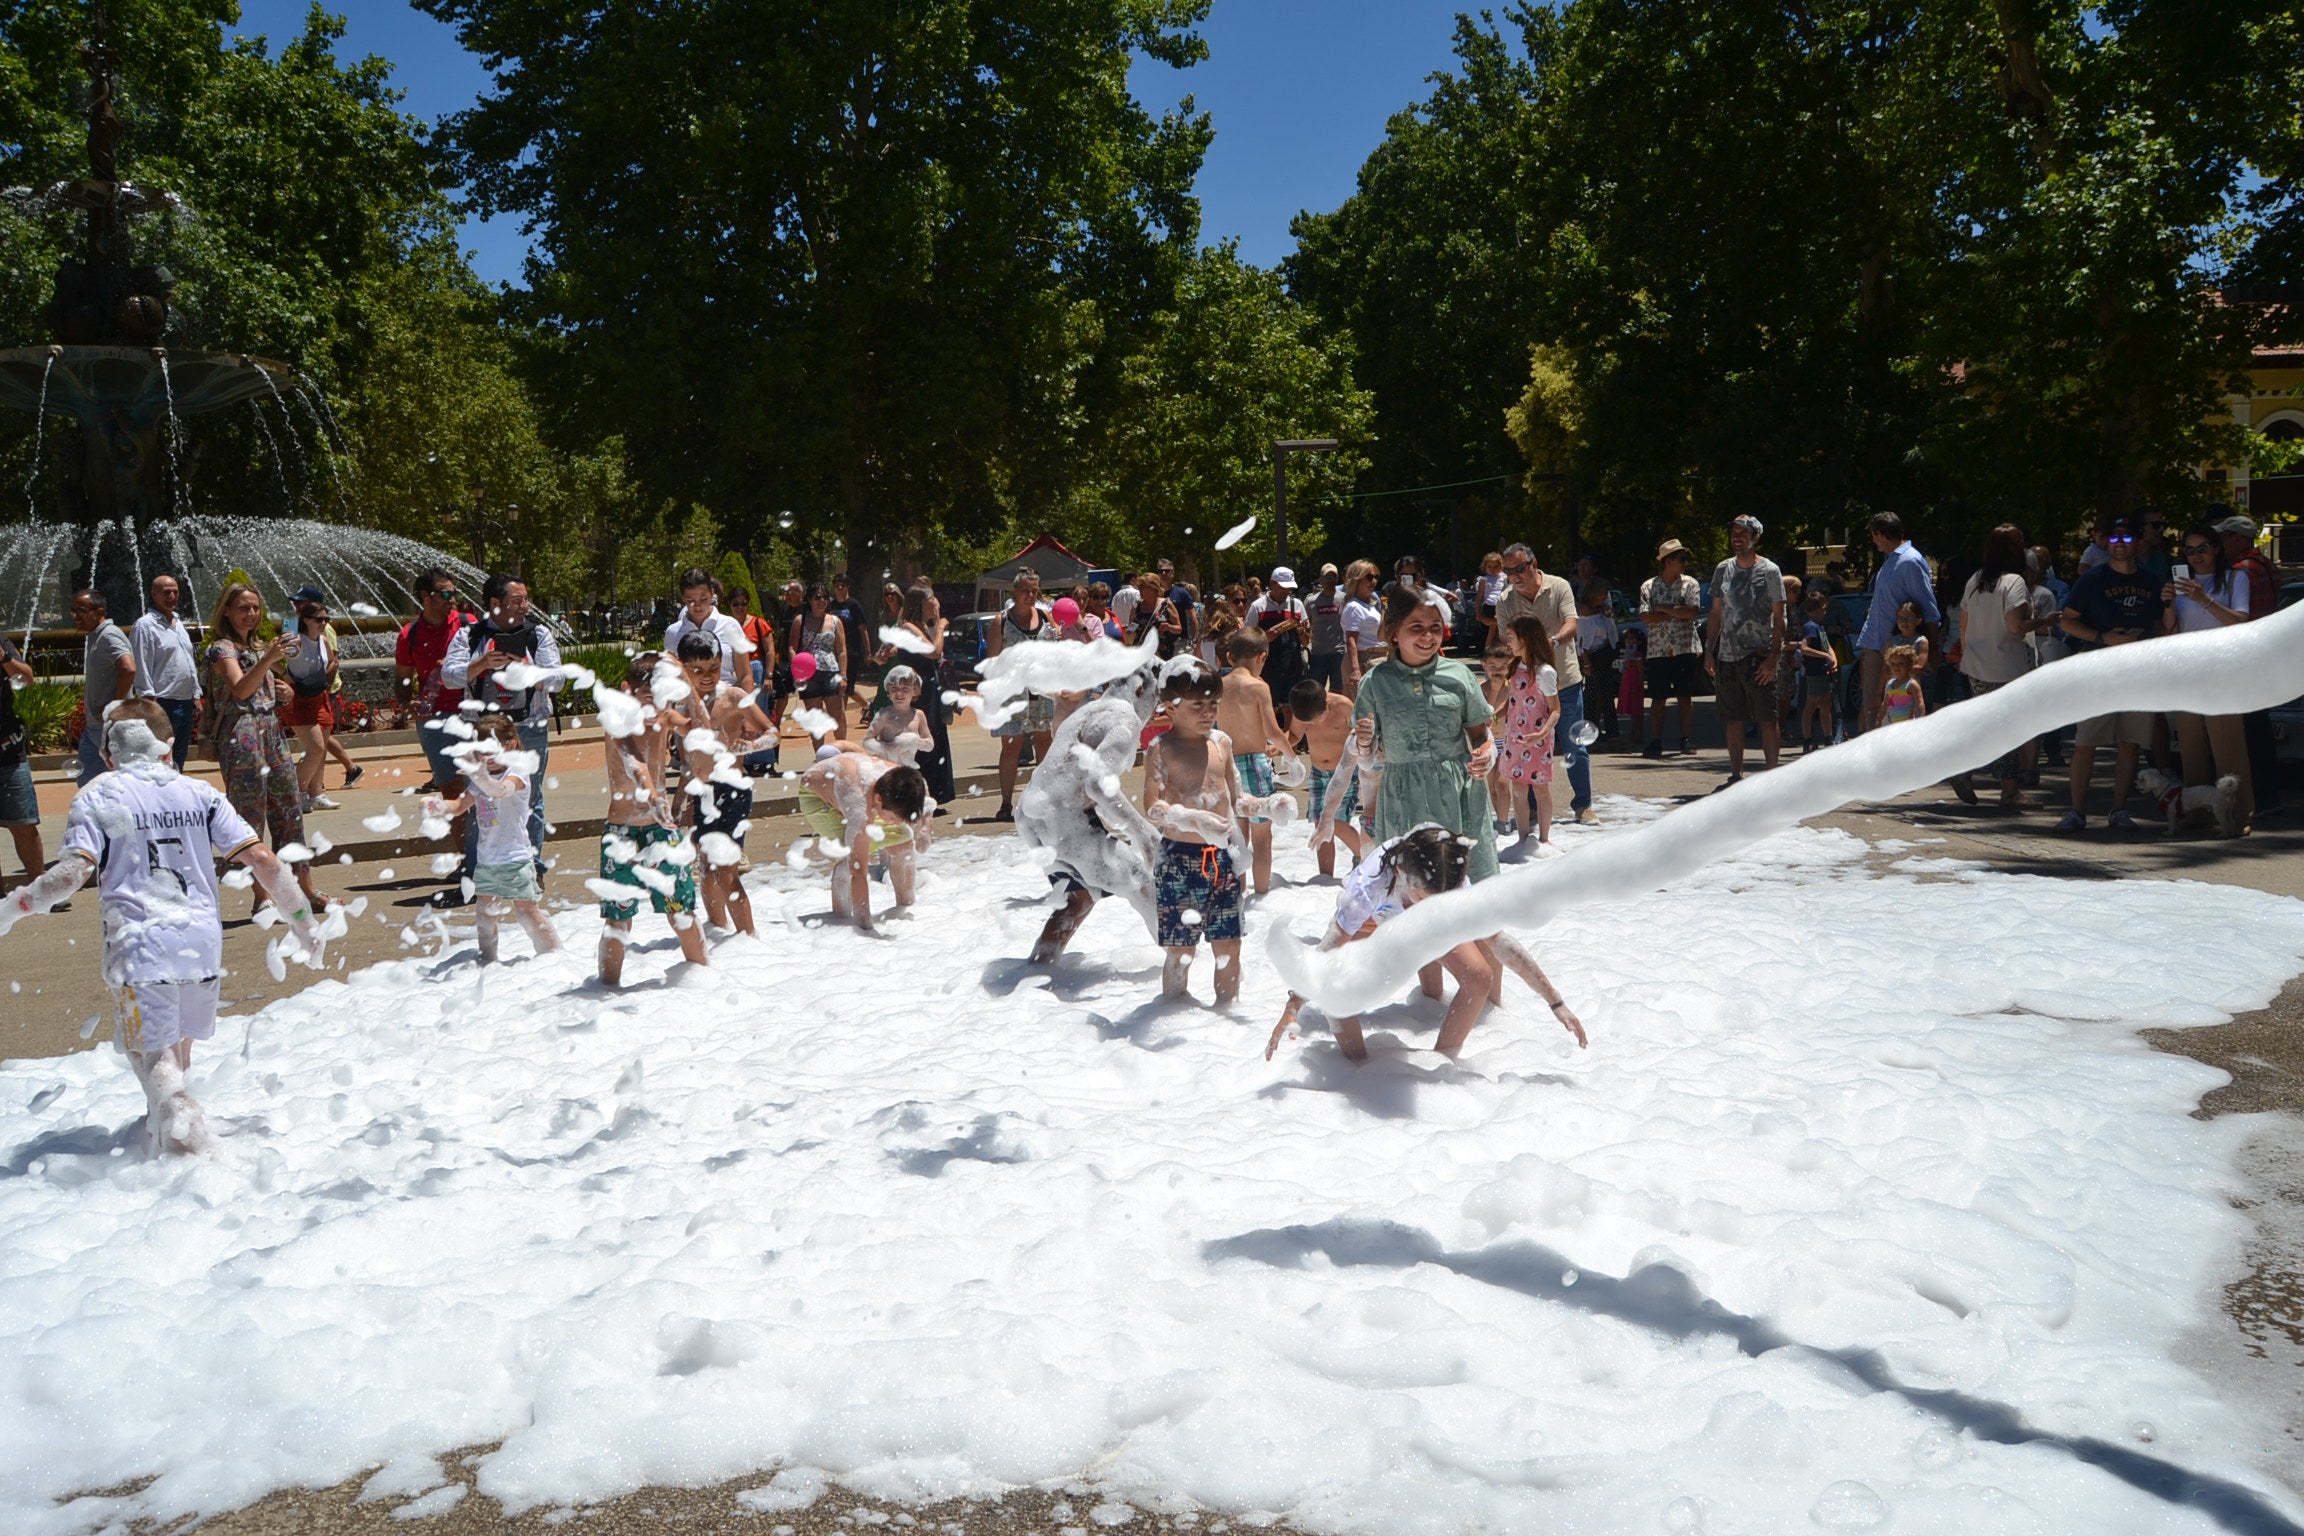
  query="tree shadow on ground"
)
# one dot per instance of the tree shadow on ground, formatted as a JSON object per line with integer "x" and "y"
{"x": 1665, "y": 1301}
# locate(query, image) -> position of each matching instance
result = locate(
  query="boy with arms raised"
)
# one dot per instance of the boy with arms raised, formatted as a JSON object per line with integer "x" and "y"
{"x": 1245, "y": 717}
{"x": 153, "y": 838}
{"x": 865, "y": 804}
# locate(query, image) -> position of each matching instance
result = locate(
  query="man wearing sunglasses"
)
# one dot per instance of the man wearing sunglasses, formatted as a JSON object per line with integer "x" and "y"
{"x": 416, "y": 685}
{"x": 2115, "y": 603}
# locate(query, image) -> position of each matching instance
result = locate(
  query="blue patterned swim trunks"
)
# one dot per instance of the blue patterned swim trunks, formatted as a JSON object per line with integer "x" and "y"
{"x": 1198, "y": 881}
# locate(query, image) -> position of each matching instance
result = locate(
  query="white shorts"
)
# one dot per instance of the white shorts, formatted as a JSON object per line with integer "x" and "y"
{"x": 152, "y": 1016}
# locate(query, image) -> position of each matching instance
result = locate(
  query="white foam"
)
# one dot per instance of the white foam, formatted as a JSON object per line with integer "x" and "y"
{"x": 943, "y": 1231}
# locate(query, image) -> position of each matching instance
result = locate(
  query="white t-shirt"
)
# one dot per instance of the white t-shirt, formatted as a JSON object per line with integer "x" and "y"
{"x": 720, "y": 627}
{"x": 1369, "y": 894}
{"x": 155, "y": 838}
{"x": 2049, "y": 646}
{"x": 1365, "y": 621}
{"x": 1988, "y": 653}
{"x": 1125, "y": 602}
{"x": 502, "y": 820}
{"x": 2230, "y": 589}
{"x": 1594, "y": 630}
{"x": 1492, "y": 589}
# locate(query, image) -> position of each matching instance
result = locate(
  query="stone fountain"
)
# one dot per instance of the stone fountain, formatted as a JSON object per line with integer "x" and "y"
{"x": 128, "y": 512}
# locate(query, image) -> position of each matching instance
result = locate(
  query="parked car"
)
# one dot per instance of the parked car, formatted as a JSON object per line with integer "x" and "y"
{"x": 966, "y": 639}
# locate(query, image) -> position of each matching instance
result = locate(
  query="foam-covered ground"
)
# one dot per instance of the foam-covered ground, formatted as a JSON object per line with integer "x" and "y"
{"x": 1912, "y": 1222}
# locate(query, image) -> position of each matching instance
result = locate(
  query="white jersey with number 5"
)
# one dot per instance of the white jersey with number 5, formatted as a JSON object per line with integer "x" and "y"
{"x": 155, "y": 838}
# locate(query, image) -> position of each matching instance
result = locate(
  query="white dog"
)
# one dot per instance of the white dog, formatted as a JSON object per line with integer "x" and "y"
{"x": 2179, "y": 802}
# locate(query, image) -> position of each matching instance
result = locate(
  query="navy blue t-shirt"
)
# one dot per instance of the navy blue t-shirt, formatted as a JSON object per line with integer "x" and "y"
{"x": 2105, "y": 599}
{"x": 1812, "y": 633}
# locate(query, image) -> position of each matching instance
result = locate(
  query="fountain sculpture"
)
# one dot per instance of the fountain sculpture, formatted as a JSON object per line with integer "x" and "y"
{"x": 129, "y": 513}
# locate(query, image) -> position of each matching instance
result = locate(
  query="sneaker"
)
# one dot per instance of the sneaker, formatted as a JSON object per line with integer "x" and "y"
{"x": 2073, "y": 822}
{"x": 1654, "y": 749}
{"x": 352, "y": 775}
{"x": 2122, "y": 821}
{"x": 322, "y": 803}
{"x": 1587, "y": 817}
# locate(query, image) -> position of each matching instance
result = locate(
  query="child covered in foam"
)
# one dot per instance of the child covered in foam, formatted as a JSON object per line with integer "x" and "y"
{"x": 863, "y": 805}
{"x": 718, "y": 724}
{"x": 504, "y": 872}
{"x": 153, "y": 839}
{"x": 641, "y": 848}
{"x": 1396, "y": 876}
{"x": 900, "y": 730}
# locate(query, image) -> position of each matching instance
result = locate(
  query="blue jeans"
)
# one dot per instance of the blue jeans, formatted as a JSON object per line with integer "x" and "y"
{"x": 184, "y": 717}
{"x": 536, "y": 737}
{"x": 91, "y": 746}
{"x": 1327, "y": 670}
{"x": 1565, "y": 750}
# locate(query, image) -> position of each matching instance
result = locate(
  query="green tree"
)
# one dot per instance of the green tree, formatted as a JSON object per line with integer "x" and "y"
{"x": 1234, "y": 365}
{"x": 828, "y": 256}
{"x": 1429, "y": 267}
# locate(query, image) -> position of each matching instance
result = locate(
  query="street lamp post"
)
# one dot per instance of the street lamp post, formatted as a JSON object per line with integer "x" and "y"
{"x": 1280, "y": 452}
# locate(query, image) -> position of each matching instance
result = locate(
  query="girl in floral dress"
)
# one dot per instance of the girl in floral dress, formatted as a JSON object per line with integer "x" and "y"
{"x": 1531, "y": 719}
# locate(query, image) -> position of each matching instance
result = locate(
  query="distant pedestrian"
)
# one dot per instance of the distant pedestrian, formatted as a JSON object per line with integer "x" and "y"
{"x": 1325, "y": 607}
{"x": 2115, "y": 603}
{"x": 1363, "y": 624}
{"x": 509, "y": 661}
{"x": 108, "y": 672}
{"x": 2214, "y": 593}
{"x": 700, "y": 614}
{"x": 251, "y": 752}
{"x": 1531, "y": 592}
{"x": 2239, "y": 534}
{"x": 1670, "y": 604}
{"x": 1286, "y": 626}
{"x": 1996, "y": 648}
{"x": 168, "y": 664}
{"x": 1902, "y": 578}
{"x": 1745, "y": 640}
{"x": 425, "y": 701}
{"x": 19, "y": 800}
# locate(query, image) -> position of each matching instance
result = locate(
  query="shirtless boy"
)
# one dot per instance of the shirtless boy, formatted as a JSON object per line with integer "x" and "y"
{"x": 866, "y": 805}
{"x": 641, "y": 844}
{"x": 154, "y": 838}
{"x": 1323, "y": 723}
{"x": 1245, "y": 717}
{"x": 719, "y": 724}
{"x": 1192, "y": 795}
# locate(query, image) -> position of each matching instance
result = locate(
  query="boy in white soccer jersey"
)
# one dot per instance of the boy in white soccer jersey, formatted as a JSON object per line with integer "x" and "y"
{"x": 153, "y": 838}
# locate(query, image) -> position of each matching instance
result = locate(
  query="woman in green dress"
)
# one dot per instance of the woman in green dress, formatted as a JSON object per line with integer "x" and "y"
{"x": 1425, "y": 716}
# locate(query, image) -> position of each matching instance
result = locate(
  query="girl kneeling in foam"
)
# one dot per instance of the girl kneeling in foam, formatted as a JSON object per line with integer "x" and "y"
{"x": 1424, "y": 862}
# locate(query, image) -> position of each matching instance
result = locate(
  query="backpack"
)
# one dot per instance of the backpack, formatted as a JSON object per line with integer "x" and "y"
{"x": 520, "y": 642}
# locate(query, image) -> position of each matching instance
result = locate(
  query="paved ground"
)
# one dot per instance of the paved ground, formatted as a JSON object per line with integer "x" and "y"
{"x": 2260, "y": 1355}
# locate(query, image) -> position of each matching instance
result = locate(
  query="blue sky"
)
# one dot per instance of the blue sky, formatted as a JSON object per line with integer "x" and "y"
{"x": 1300, "y": 90}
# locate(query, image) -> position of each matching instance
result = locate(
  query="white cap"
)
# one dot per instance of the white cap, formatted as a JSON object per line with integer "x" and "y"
{"x": 1282, "y": 576}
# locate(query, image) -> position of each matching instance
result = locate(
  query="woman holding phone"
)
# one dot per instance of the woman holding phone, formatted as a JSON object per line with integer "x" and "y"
{"x": 2209, "y": 592}
{"x": 251, "y": 753}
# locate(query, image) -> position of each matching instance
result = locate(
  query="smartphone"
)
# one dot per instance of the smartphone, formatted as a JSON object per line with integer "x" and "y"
{"x": 2180, "y": 573}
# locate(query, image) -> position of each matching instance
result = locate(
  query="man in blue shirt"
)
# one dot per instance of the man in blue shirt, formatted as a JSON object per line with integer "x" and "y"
{"x": 2116, "y": 603}
{"x": 1902, "y": 578}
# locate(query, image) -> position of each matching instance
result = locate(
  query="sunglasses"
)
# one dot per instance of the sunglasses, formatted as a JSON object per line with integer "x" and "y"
{"x": 2198, "y": 549}
{"x": 1514, "y": 570}
{"x": 2120, "y": 538}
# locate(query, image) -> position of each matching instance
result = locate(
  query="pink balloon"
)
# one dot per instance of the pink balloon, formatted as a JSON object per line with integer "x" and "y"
{"x": 1065, "y": 612}
{"x": 803, "y": 666}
